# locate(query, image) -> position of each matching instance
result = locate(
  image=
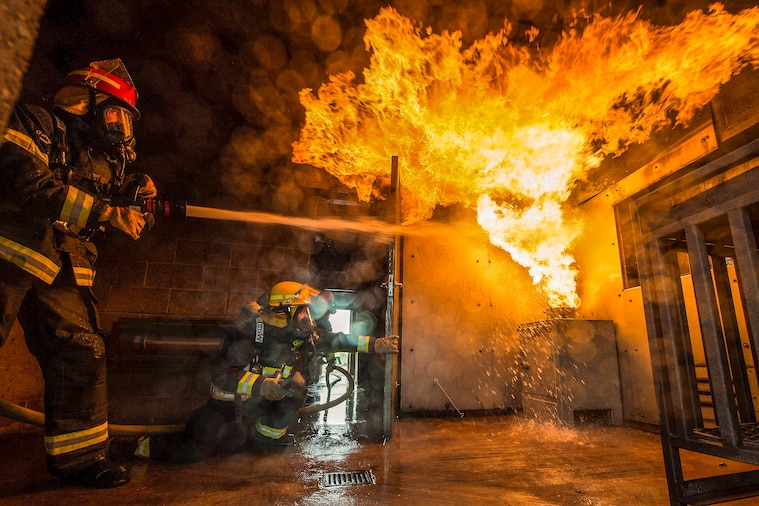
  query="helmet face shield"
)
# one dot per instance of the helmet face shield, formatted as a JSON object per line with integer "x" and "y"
{"x": 301, "y": 317}
{"x": 117, "y": 124}
{"x": 322, "y": 305}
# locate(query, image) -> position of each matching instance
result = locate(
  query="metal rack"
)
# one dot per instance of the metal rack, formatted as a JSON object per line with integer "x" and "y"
{"x": 703, "y": 227}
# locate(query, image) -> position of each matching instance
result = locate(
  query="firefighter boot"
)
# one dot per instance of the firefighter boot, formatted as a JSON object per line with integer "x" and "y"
{"x": 122, "y": 448}
{"x": 100, "y": 474}
{"x": 260, "y": 443}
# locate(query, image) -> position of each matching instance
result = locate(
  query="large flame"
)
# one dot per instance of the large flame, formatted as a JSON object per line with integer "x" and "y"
{"x": 508, "y": 130}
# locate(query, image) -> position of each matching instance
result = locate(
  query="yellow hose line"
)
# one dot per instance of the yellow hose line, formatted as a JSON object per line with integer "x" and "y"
{"x": 31, "y": 417}
{"x": 25, "y": 415}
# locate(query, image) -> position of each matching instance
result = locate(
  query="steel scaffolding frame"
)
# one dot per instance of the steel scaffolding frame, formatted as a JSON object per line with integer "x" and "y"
{"x": 709, "y": 216}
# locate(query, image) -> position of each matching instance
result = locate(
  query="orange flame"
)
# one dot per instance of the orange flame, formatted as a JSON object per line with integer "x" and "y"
{"x": 508, "y": 130}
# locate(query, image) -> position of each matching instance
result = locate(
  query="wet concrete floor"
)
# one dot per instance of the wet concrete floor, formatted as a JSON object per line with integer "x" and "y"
{"x": 502, "y": 459}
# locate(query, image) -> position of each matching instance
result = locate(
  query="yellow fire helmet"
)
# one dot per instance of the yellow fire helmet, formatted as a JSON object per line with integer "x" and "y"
{"x": 286, "y": 294}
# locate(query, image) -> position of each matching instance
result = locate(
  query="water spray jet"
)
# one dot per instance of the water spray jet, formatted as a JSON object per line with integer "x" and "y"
{"x": 181, "y": 209}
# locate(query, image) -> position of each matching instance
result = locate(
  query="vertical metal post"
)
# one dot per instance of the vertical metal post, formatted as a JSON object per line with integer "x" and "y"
{"x": 738, "y": 368}
{"x": 650, "y": 267}
{"x": 714, "y": 341}
{"x": 392, "y": 313}
{"x": 747, "y": 269}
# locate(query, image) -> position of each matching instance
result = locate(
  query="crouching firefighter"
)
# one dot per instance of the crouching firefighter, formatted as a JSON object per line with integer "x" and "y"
{"x": 258, "y": 382}
{"x": 57, "y": 169}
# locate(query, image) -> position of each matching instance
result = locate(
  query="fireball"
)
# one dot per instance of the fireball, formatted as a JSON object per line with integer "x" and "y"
{"x": 508, "y": 130}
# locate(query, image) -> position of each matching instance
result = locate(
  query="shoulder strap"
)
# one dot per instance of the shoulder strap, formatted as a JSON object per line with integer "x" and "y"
{"x": 47, "y": 131}
{"x": 36, "y": 125}
{"x": 60, "y": 146}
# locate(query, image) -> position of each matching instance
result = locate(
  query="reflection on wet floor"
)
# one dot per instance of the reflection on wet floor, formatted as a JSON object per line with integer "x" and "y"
{"x": 496, "y": 460}
{"x": 327, "y": 434}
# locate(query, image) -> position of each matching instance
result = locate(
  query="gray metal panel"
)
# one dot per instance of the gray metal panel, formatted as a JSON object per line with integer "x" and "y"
{"x": 571, "y": 366}
{"x": 462, "y": 301}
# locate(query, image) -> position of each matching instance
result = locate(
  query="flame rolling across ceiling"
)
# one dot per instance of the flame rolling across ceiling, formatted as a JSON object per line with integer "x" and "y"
{"x": 507, "y": 130}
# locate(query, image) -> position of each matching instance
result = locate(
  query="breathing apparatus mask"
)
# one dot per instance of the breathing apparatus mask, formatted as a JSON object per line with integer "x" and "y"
{"x": 302, "y": 321}
{"x": 116, "y": 123}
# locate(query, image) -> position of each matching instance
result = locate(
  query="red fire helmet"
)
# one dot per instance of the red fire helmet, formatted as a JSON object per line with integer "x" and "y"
{"x": 109, "y": 77}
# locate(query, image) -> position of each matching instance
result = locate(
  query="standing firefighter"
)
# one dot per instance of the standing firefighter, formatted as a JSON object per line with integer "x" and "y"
{"x": 57, "y": 171}
{"x": 257, "y": 385}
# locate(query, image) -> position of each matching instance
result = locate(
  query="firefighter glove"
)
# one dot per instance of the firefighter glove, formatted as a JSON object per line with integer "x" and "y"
{"x": 271, "y": 390}
{"x": 129, "y": 221}
{"x": 387, "y": 344}
{"x": 140, "y": 186}
{"x": 149, "y": 220}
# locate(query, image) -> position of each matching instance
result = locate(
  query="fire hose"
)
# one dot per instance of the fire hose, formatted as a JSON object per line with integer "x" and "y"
{"x": 32, "y": 417}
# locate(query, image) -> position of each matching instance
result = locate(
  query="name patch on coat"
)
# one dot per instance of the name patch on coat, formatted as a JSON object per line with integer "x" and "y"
{"x": 259, "y": 330}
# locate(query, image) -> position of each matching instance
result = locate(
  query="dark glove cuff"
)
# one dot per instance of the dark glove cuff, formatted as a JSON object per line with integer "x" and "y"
{"x": 98, "y": 208}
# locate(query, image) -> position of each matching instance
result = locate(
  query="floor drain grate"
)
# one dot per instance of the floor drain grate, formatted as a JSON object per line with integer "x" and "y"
{"x": 342, "y": 479}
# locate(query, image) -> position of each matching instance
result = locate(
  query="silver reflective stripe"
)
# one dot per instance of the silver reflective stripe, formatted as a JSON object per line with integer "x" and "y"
{"x": 84, "y": 276}
{"x": 270, "y": 432}
{"x": 29, "y": 260}
{"x": 26, "y": 143}
{"x": 69, "y": 442}
{"x": 77, "y": 207}
{"x": 224, "y": 395}
{"x": 245, "y": 385}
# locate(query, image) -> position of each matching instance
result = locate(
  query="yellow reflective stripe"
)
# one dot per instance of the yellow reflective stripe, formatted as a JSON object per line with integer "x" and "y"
{"x": 245, "y": 385}
{"x": 84, "y": 276}
{"x": 65, "y": 443}
{"x": 26, "y": 143}
{"x": 277, "y": 298}
{"x": 77, "y": 207}
{"x": 143, "y": 447}
{"x": 270, "y": 432}
{"x": 268, "y": 372}
{"x": 96, "y": 76}
{"x": 29, "y": 260}
{"x": 363, "y": 344}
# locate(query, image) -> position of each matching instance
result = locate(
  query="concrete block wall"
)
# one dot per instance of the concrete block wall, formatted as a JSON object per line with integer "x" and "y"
{"x": 196, "y": 267}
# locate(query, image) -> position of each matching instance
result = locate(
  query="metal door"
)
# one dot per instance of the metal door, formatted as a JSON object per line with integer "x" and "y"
{"x": 392, "y": 313}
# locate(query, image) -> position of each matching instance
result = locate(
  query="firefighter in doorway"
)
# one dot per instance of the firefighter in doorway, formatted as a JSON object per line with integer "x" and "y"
{"x": 58, "y": 170}
{"x": 258, "y": 385}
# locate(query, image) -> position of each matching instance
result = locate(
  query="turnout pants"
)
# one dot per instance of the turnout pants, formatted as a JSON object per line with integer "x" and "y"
{"x": 60, "y": 325}
{"x": 226, "y": 426}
